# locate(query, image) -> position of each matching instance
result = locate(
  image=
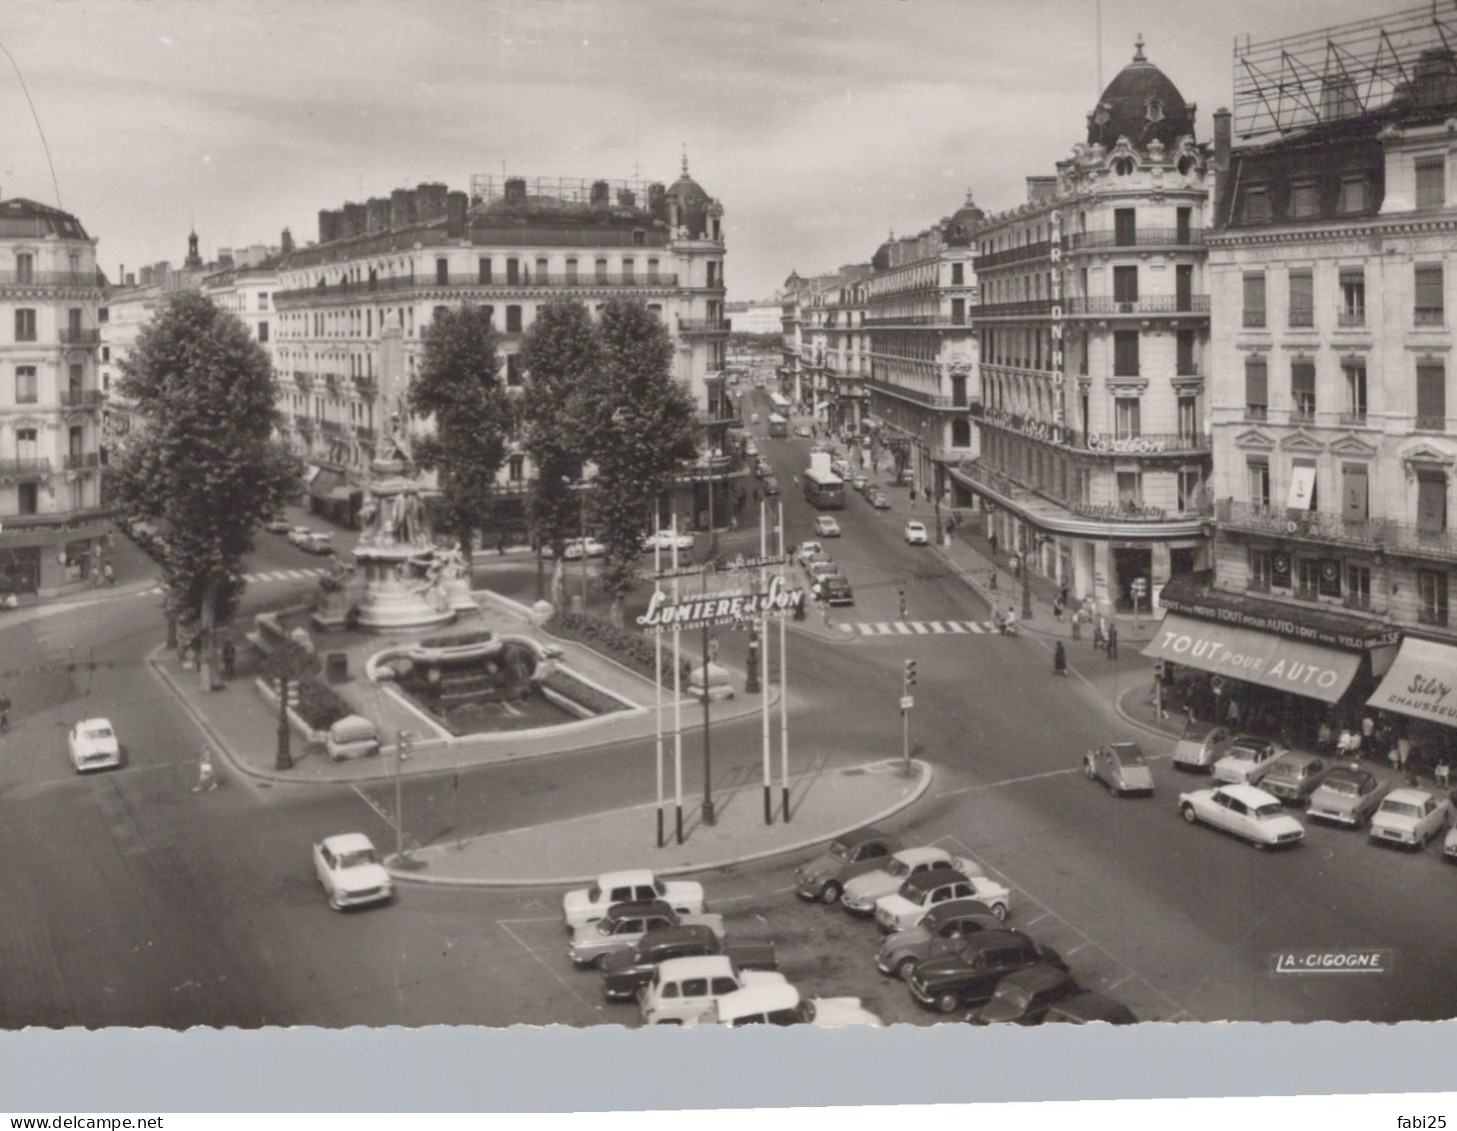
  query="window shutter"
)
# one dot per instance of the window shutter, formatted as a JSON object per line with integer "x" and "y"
{"x": 1429, "y": 288}
{"x": 1431, "y": 395}
{"x": 1257, "y": 382}
{"x": 1255, "y": 290}
{"x": 1302, "y": 290}
{"x": 1431, "y": 500}
{"x": 1302, "y": 379}
{"x": 1430, "y": 189}
{"x": 1354, "y": 492}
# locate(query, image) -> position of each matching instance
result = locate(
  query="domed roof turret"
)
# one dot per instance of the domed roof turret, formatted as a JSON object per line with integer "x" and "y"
{"x": 1141, "y": 104}
{"x": 688, "y": 192}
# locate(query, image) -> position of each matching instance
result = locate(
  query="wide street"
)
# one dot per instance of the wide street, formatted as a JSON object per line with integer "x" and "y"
{"x": 132, "y": 901}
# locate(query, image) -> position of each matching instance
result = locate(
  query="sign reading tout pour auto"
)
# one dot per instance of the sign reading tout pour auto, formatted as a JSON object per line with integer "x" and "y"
{"x": 664, "y": 613}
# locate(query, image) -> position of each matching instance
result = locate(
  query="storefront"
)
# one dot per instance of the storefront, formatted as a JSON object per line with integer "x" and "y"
{"x": 1422, "y": 686}
{"x": 44, "y": 555}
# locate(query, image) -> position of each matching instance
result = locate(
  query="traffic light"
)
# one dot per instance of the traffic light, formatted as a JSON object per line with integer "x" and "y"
{"x": 910, "y": 673}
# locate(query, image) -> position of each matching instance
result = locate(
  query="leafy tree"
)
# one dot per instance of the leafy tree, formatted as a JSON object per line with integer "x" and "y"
{"x": 560, "y": 352}
{"x": 204, "y": 461}
{"x": 458, "y": 386}
{"x": 639, "y": 428}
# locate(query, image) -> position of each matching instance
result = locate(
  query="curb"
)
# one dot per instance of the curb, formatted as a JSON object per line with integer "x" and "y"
{"x": 927, "y": 773}
{"x": 1128, "y": 718}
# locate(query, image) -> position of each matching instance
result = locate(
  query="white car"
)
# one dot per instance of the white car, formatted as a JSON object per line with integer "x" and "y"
{"x": 636, "y": 885}
{"x": 916, "y": 534}
{"x": 1409, "y": 817}
{"x": 665, "y": 540}
{"x": 801, "y": 431}
{"x": 93, "y": 745}
{"x": 683, "y": 990}
{"x": 1449, "y": 846}
{"x": 318, "y": 542}
{"x": 578, "y": 547}
{"x": 783, "y": 1005}
{"x": 864, "y": 891}
{"x": 1246, "y": 760}
{"x": 808, "y": 549}
{"x": 349, "y": 871}
{"x": 919, "y": 894}
{"x": 278, "y": 525}
{"x": 827, "y": 527}
{"x": 298, "y": 535}
{"x": 1247, "y": 812}
{"x": 751, "y": 449}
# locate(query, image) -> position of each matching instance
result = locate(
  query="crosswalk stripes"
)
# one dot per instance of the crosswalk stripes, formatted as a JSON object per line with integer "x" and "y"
{"x": 922, "y": 628}
{"x": 263, "y": 576}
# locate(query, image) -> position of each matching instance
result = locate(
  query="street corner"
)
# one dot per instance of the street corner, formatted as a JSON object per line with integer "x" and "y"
{"x": 821, "y": 807}
{"x": 1135, "y": 705}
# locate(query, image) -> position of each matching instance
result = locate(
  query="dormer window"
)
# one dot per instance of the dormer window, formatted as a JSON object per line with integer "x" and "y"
{"x": 1155, "y": 110}
{"x": 1257, "y": 206}
{"x": 1353, "y": 194}
{"x": 1123, "y": 166}
{"x": 1187, "y": 165}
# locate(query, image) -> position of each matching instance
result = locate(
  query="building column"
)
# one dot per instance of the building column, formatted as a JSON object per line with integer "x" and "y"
{"x": 1104, "y": 582}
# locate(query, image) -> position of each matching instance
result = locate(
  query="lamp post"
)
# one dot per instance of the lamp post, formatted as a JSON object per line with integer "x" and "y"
{"x": 402, "y": 752}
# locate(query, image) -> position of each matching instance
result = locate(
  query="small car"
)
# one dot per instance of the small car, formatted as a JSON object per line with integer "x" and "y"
{"x": 1409, "y": 817}
{"x": 1294, "y": 776}
{"x": 1449, "y": 846}
{"x": 835, "y": 590}
{"x": 940, "y": 931}
{"x": 623, "y": 927}
{"x": 1247, "y": 812}
{"x": 801, "y": 432}
{"x": 278, "y": 524}
{"x": 92, "y": 745}
{"x": 666, "y": 540}
{"x": 1246, "y": 759}
{"x": 349, "y": 871}
{"x": 1089, "y": 1006}
{"x": 824, "y": 878}
{"x": 628, "y": 971}
{"x": 915, "y": 534}
{"x": 751, "y": 449}
{"x": 578, "y": 548}
{"x": 807, "y": 550}
{"x": 826, "y": 527}
{"x": 1025, "y": 997}
{"x": 860, "y": 482}
{"x": 818, "y": 571}
{"x": 971, "y": 975}
{"x": 318, "y": 542}
{"x": 907, "y": 477}
{"x": 587, "y": 905}
{"x": 1120, "y": 767}
{"x": 879, "y": 500}
{"x": 353, "y": 736}
{"x": 682, "y": 990}
{"x": 763, "y": 467}
{"x": 1348, "y": 796}
{"x": 841, "y": 468}
{"x": 784, "y": 1005}
{"x": 1199, "y": 747}
{"x": 298, "y": 535}
{"x": 864, "y": 891}
{"x": 754, "y": 419}
{"x": 927, "y": 890}
{"x": 771, "y": 486}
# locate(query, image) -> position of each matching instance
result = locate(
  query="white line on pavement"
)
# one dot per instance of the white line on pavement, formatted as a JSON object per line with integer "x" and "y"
{"x": 564, "y": 983}
{"x": 937, "y": 627}
{"x": 919, "y": 628}
{"x": 1126, "y": 978}
{"x": 903, "y": 628}
{"x": 883, "y": 628}
{"x": 956, "y": 626}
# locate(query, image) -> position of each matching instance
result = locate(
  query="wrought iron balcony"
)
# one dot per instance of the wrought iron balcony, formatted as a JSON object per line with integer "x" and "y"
{"x": 1145, "y": 443}
{"x": 31, "y": 465}
{"x": 693, "y": 327}
{"x": 1030, "y": 308}
{"x": 1301, "y": 318}
{"x": 1257, "y": 412}
{"x": 399, "y": 284}
{"x": 79, "y": 461}
{"x": 1351, "y": 317}
{"x": 82, "y": 398}
{"x": 1380, "y": 535}
{"x": 916, "y": 396}
{"x": 1140, "y": 238}
{"x": 1253, "y": 319}
{"x": 1013, "y": 255}
{"x": 1430, "y": 316}
{"x": 49, "y": 279}
{"x": 76, "y": 336}
{"x": 918, "y": 320}
{"x": 1102, "y": 305}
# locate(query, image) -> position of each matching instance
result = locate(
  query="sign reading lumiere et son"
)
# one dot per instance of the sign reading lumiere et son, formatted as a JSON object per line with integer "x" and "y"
{"x": 664, "y": 613}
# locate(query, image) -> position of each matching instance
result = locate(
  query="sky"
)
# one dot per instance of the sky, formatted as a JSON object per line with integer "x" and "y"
{"x": 820, "y": 125}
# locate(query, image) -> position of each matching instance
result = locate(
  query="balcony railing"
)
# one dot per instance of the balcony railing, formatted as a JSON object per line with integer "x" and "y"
{"x": 79, "y": 461}
{"x": 1431, "y": 424}
{"x": 1377, "y": 534}
{"x": 1122, "y": 512}
{"x": 1028, "y": 308}
{"x": 918, "y": 320}
{"x": 1351, "y": 317}
{"x": 48, "y": 279}
{"x": 75, "y": 336}
{"x": 696, "y": 326}
{"x": 1353, "y": 418}
{"x": 1430, "y": 316}
{"x": 331, "y": 427}
{"x": 396, "y": 284}
{"x": 1013, "y": 255}
{"x": 31, "y": 465}
{"x": 916, "y": 396}
{"x": 82, "y": 398}
{"x": 1257, "y": 412}
{"x": 1146, "y": 443}
{"x": 1253, "y": 319}
{"x": 1142, "y": 237}
{"x": 1301, "y": 318}
{"x": 1099, "y": 305}
{"x": 1302, "y": 416}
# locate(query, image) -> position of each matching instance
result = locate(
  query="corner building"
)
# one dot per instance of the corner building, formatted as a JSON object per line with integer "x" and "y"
{"x": 1094, "y": 328}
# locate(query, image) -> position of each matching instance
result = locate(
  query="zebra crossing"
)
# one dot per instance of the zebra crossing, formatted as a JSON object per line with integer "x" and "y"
{"x": 923, "y": 628}
{"x": 266, "y": 575}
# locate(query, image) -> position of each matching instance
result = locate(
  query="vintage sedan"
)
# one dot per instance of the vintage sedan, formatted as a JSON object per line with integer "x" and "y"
{"x": 579, "y": 548}
{"x": 971, "y": 975}
{"x": 587, "y": 905}
{"x": 835, "y": 590}
{"x": 801, "y": 432}
{"x": 1294, "y": 776}
{"x": 298, "y": 535}
{"x": 318, "y": 542}
{"x": 1410, "y": 818}
{"x": 878, "y": 499}
{"x": 1249, "y": 813}
{"x": 807, "y": 551}
{"x": 915, "y": 534}
{"x": 92, "y": 745}
{"x": 926, "y": 890}
{"x": 863, "y": 892}
{"x": 1348, "y": 796}
{"x": 682, "y": 991}
{"x": 784, "y": 1005}
{"x": 665, "y": 540}
{"x": 627, "y": 971}
{"x": 623, "y": 927}
{"x": 826, "y": 526}
{"x": 349, "y": 871}
{"x": 824, "y": 878}
{"x": 278, "y": 524}
{"x": 1025, "y": 997}
{"x": 860, "y": 482}
{"x": 1246, "y": 759}
{"x": 1199, "y": 747}
{"x": 1119, "y": 766}
{"x": 939, "y": 932}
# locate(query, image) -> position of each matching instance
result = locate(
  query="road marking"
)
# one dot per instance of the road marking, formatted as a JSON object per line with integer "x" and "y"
{"x": 882, "y": 628}
{"x": 937, "y": 627}
{"x": 920, "y": 628}
{"x": 1034, "y": 922}
{"x": 373, "y": 804}
{"x": 1126, "y": 978}
{"x": 903, "y": 628}
{"x": 956, "y": 626}
{"x": 1010, "y": 781}
{"x": 545, "y": 965}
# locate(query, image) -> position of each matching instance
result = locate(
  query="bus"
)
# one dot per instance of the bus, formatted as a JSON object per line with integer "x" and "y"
{"x": 780, "y": 403}
{"x": 824, "y": 490}
{"x": 778, "y": 426}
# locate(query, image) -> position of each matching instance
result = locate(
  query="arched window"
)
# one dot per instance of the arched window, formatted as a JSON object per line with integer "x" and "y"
{"x": 1123, "y": 166}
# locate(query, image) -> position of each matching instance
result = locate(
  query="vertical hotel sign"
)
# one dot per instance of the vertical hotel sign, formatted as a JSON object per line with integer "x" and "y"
{"x": 1059, "y": 400}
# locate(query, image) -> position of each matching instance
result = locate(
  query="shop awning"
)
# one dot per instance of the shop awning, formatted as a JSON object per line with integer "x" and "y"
{"x": 1422, "y": 682}
{"x": 1255, "y": 657}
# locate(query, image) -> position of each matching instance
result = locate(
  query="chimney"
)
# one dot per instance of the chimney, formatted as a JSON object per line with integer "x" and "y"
{"x": 376, "y": 214}
{"x": 601, "y": 198}
{"x": 626, "y": 198}
{"x": 1041, "y": 190}
{"x": 515, "y": 190}
{"x": 121, "y": 274}
{"x": 455, "y": 209}
{"x": 131, "y": 280}
{"x": 354, "y": 219}
{"x": 658, "y": 201}
{"x": 402, "y": 208}
{"x": 285, "y": 242}
{"x": 1222, "y": 137}
{"x": 430, "y": 201}
{"x": 328, "y": 225}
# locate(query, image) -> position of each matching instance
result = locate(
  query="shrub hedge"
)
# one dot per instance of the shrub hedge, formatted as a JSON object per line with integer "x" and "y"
{"x": 457, "y": 640}
{"x": 629, "y": 648}
{"x": 570, "y": 687}
{"x": 320, "y": 705}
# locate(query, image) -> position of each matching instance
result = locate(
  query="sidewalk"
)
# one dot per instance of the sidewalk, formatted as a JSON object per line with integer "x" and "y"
{"x": 822, "y": 806}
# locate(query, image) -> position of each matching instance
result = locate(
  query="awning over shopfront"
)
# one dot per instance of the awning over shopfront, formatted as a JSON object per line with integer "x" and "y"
{"x": 1422, "y": 682}
{"x": 1255, "y": 657}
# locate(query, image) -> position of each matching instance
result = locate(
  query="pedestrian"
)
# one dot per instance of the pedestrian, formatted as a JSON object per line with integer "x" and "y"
{"x": 1017, "y": 567}
{"x": 1059, "y": 660}
{"x": 901, "y": 597}
{"x": 1077, "y": 623}
{"x": 1100, "y": 634}
{"x": 1062, "y": 596}
{"x": 4, "y": 712}
{"x": 1112, "y": 642}
{"x": 230, "y": 659}
{"x": 206, "y": 779}
{"x": 108, "y": 573}
{"x": 1057, "y": 609}
{"x": 992, "y": 538}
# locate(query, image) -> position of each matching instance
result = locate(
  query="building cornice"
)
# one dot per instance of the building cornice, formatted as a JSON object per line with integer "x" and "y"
{"x": 1358, "y": 229}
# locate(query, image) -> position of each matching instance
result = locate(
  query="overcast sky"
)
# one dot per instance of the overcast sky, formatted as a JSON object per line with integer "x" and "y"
{"x": 821, "y": 126}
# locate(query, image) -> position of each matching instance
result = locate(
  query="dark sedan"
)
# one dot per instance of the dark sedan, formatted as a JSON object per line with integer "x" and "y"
{"x": 970, "y": 976}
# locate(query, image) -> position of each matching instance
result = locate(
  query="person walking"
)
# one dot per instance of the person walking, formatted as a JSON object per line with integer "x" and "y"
{"x": 1077, "y": 623}
{"x": 1057, "y": 609}
{"x": 108, "y": 573}
{"x": 1059, "y": 660}
{"x": 992, "y": 538}
{"x": 901, "y": 597}
{"x": 1112, "y": 642}
{"x": 4, "y": 713}
{"x": 230, "y": 659}
{"x": 206, "y": 779}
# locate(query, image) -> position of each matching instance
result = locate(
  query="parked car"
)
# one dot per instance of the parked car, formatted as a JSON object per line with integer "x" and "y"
{"x": 940, "y": 931}
{"x": 1449, "y": 846}
{"x": 1200, "y": 746}
{"x": 926, "y": 890}
{"x": 841, "y": 468}
{"x": 818, "y": 571}
{"x": 1294, "y": 776}
{"x": 278, "y": 524}
{"x": 1025, "y": 997}
{"x": 349, "y": 871}
{"x": 835, "y": 590}
{"x": 915, "y": 534}
{"x": 1409, "y": 817}
{"x": 826, "y": 527}
{"x": 971, "y": 975}
{"x": 1348, "y": 796}
{"x": 1119, "y": 766}
{"x": 298, "y": 535}
{"x": 815, "y": 558}
{"x": 771, "y": 486}
{"x": 682, "y": 990}
{"x": 879, "y": 500}
{"x": 93, "y": 745}
{"x": 907, "y": 477}
{"x": 862, "y": 893}
{"x": 627, "y": 971}
{"x": 1244, "y": 810}
{"x": 807, "y": 551}
{"x": 635, "y": 885}
{"x": 824, "y": 878}
{"x": 751, "y": 449}
{"x": 353, "y": 736}
{"x": 318, "y": 542}
{"x": 801, "y": 432}
{"x": 860, "y": 482}
{"x": 665, "y": 540}
{"x": 579, "y": 548}
{"x": 763, "y": 467}
{"x": 1246, "y": 759}
{"x": 624, "y": 925}
{"x": 1089, "y": 1006}
{"x": 784, "y": 1005}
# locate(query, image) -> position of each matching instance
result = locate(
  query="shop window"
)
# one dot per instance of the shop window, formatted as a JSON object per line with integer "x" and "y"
{"x": 1432, "y": 396}
{"x": 1257, "y": 388}
{"x": 1432, "y": 596}
{"x": 1259, "y": 579}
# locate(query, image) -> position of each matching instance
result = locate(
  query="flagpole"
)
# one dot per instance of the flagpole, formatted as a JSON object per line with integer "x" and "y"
{"x": 658, "y": 674}
{"x": 764, "y": 663}
{"x": 783, "y": 685}
{"x": 677, "y": 699}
